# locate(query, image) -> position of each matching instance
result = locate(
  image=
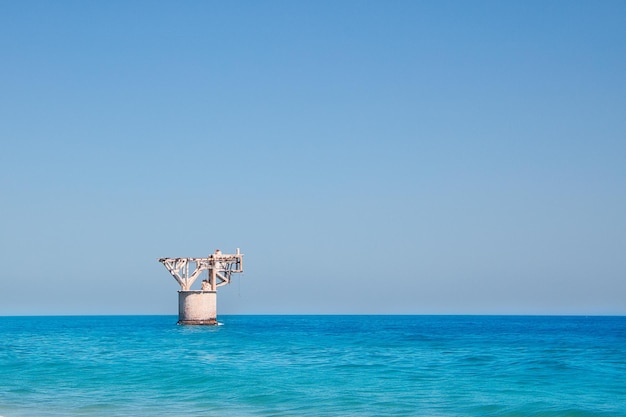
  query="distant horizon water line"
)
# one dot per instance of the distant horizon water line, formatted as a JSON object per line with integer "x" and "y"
{"x": 335, "y": 315}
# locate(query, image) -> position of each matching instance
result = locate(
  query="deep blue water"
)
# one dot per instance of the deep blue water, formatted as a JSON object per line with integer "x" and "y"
{"x": 314, "y": 366}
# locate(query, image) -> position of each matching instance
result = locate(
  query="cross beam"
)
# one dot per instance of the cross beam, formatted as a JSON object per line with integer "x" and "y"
{"x": 219, "y": 266}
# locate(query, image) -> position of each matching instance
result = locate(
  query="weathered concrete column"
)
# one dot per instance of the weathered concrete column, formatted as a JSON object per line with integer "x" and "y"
{"x": 197, "y": 307}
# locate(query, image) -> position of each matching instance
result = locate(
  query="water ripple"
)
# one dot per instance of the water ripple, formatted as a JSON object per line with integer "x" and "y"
{"x": 313, "y": 365}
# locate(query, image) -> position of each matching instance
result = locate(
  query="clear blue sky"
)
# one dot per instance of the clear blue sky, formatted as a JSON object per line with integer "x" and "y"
{"x": 410, "y": 157}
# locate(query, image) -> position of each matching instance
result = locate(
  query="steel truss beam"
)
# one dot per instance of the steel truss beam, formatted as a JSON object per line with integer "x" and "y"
{"x": 219, "y": 266}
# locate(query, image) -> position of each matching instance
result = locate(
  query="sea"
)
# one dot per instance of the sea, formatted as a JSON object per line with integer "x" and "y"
{"x": 313, "y": 366}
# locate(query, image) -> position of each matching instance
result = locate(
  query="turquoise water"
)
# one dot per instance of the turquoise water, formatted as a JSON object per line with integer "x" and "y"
{"x": 313, "y": 365}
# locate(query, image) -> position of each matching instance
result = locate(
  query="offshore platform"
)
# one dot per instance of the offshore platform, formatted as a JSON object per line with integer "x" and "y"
{"x": 200, "y": 306}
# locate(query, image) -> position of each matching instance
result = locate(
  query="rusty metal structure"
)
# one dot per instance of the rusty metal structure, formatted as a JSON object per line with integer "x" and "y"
{"x": 200, "y": 306}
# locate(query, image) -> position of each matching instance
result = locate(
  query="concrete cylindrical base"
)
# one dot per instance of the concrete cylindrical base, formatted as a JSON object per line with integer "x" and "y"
{"x": 197, "y": 307}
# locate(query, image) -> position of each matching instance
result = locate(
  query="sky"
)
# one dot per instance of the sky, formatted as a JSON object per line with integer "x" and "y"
{"x": 368, "y": 157}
